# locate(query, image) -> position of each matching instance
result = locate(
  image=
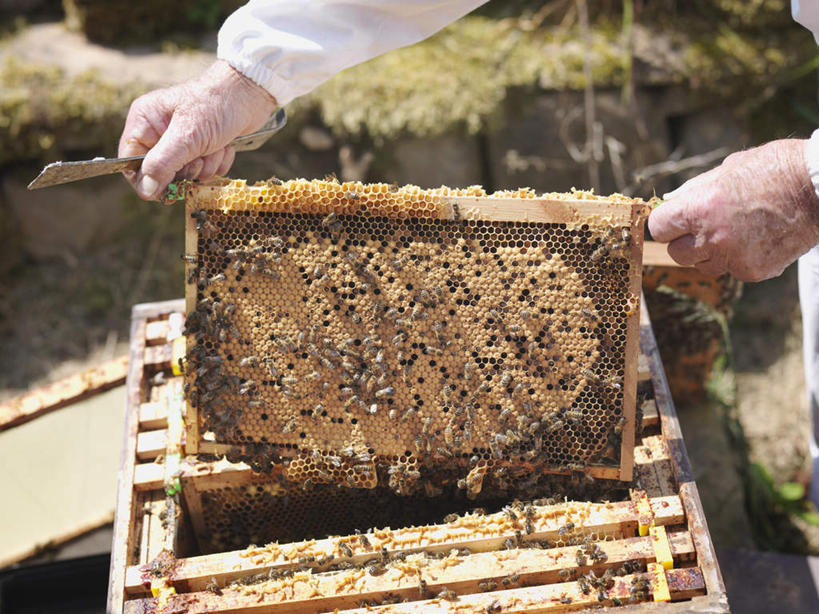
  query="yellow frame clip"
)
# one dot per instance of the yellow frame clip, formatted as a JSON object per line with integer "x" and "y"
{"x": 179, "y": 351}
{"x": 162, "y": 591}
{"x": 662, "y": 547}
{"x": 645, "y": 515}
{"x": 659, "y": 582}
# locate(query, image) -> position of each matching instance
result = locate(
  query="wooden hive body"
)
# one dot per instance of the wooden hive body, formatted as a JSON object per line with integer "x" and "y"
{"x": 512, "y": 557}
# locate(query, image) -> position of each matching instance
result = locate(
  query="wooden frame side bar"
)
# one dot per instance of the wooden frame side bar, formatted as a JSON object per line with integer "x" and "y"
{"x": 672, "y": 433}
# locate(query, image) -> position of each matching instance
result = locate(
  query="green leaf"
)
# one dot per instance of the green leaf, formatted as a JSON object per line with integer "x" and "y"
{"x": 792, "y": 491}
{"x": 811, "y": 518}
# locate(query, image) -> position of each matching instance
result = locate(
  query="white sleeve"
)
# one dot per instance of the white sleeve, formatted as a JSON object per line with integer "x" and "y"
{"x": 806, "y": 12}
{"x": 291, "y": 46}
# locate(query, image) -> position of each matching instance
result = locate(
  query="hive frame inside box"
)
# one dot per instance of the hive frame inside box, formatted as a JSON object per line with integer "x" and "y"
{"x": 662, "y": 472}
{"x": 547, "y": 211}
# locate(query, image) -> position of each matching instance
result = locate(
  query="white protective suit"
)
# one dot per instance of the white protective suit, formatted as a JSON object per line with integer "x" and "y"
{"x": 291, "y": 46}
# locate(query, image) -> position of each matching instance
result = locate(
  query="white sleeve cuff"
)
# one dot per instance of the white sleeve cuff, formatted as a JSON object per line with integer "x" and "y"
{"x": 812, "y": 159}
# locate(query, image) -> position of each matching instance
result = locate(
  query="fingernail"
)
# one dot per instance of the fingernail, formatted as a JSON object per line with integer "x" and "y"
{"x": 148, "y": 186}
{"x": 670, "y": 194}
{"x": 129, "y": 175}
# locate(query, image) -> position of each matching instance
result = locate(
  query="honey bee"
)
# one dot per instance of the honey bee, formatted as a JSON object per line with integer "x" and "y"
{"x": 487, "y": 585}
{"x": 565, "y": 600}
{"x": 290, "y": 380}
{"x": 354, "y": 196}
{"x": 589, "y": 314}
{"x": 580, "y": 558}
{"x": 427, "y": 426}
{"x": 353, "y": 399}
{"x": 289, "y": 426}
{"x": 213, "y": 587}
{"x": 564, "y": 574}
{"x": 346, "y": 550}
{"x": 448, "y": 595}
{"x": 409, "y": 413}
{"x": 511, "y": 579}
{"x": 385, "y": 392}
{"x": 376, "y": 569}
{"x": 329, "y": 219}
{"x": 247, "y": 387}
{"x": 218, "y": 278}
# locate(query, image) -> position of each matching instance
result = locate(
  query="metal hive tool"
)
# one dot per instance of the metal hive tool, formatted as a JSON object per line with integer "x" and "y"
{"x": 371, "y": 335}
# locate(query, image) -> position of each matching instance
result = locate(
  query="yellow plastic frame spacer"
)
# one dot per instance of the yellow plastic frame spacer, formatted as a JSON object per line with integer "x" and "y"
{"x": 645, "y": 515}
{"x": 662, "y": 547}
{"x": 179, "y": 350}
{"x": 659, "y": 582}
{"x": 162, "y": 591}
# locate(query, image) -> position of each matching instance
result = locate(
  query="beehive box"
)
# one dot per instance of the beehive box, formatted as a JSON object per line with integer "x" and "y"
{"x": 542, "y": 555}
{"x": 407, "y": 338}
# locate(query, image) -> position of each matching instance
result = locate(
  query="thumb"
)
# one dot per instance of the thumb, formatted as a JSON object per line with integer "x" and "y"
{"x": 669, "y": 221}
{"x": 175, "y": 148}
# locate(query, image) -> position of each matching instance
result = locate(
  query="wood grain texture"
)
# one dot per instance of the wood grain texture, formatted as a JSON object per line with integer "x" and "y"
{"x": 45, "y": 399}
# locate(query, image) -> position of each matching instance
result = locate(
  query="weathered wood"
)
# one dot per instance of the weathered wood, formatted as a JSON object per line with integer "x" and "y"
{"x": 156, "y": 332}
{"x": 153, "y": 415}
{"x": 650, "y": 415}
{"x": 69, "y": 390}
{"x": 656, "y": 254}
{"x": 462, "y": 573}
{"x": 150, "y": 444}
{"x": 124, "y": 519}
{"x": 303, "y": 594}
{"x": 148, "y": 476}
{"x": 158, "y": 357}
{"x": 543, "y": 210}
{"x": 192, "y": 435}
{"x": 192, "y": 574}
{"x": 153, "y": 532}
{"x": 10, "y": 558}
{"x": 476, "y": 532}
{"x": 681, "y": 466}
{"x": 632, "y": 348}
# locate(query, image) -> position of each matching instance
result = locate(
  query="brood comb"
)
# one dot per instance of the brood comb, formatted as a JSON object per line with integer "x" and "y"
{"x": 374, "y": 335}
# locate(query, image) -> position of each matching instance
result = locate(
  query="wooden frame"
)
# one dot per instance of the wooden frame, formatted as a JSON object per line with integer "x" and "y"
{"x": 72, "y": 389}
{"x": 661, "y": 471}
{"x": 573, "y": 212}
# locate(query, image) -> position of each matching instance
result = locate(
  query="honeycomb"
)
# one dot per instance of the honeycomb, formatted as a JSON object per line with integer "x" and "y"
{"x": 352, "y": 327}
{"x": 264, "y": 509}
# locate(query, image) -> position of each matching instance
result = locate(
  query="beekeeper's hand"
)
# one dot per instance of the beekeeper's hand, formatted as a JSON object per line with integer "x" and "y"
{"x": 751, "y": 216}
{"x": 184, "y": 130}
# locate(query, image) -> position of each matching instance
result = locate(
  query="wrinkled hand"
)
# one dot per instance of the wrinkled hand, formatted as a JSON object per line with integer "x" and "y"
{"x": 751, "y": 216}
{"x": 185, "y": 129}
